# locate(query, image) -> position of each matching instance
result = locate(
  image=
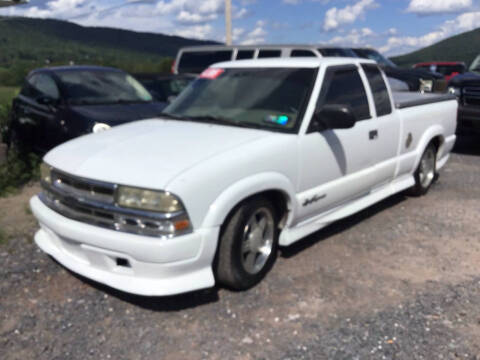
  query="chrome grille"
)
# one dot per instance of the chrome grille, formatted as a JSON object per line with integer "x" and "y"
{"x": 93, "y": 202}
{"x": 471, "y": 96}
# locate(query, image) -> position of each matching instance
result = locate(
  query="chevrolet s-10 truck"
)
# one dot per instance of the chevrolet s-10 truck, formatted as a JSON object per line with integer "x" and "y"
{"x": 253, "y": 155}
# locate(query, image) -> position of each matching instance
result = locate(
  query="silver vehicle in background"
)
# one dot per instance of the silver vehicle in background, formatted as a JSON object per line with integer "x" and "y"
{"x": 195, "y": 59}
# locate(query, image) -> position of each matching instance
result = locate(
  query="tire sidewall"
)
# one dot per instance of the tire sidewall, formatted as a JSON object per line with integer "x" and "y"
{"x": 244, "y": 278}
{"x": 419, "y": 188}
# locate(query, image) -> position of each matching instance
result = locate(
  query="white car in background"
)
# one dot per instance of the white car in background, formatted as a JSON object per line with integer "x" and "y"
{"x": 252, "y": 155}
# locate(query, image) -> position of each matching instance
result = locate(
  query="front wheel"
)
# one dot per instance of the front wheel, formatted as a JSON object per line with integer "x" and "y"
{"x": 426, "y": 172}
{"x": 248, "y": 245}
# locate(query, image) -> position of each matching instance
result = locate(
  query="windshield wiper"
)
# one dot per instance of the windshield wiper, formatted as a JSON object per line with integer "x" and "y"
{"x": 217, "y": 120}
{"x": 171, "y": 116}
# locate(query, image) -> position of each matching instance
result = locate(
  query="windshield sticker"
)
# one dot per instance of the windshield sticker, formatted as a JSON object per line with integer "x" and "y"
{"x": 277, "y": 119}
{"x": 211, "y": 73}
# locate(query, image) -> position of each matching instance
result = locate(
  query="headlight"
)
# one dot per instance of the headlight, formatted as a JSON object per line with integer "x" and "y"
{"x": 46, "y": 174}
{"x": 142, "y": 199}
{"x": 426, "y": 85}
{"x": 99, "y": 127}
{"x": 454, "y": 91}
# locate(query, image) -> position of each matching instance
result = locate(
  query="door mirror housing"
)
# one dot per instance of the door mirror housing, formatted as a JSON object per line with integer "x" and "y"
{"x": 334, "y": 117}
{"x": 46, "y": 100}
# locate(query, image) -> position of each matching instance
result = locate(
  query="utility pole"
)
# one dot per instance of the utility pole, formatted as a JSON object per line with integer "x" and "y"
{"x": 228, "y": 21}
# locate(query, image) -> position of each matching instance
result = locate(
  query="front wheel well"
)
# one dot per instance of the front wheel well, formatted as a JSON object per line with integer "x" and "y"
{"x": 437, "y": 141}
{"x": 277, "y": 198}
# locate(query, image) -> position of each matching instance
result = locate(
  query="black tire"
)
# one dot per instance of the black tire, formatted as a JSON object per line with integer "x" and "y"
{"x": 232, "y": 265}
{"x": 423, "y": 181}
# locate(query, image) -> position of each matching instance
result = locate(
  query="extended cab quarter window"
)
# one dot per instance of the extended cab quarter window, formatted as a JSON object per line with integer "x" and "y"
{"x": 344, "y": 86}
{"x": 379, "y": 89}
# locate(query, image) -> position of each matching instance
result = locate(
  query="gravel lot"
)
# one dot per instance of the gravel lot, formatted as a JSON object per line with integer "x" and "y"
{"x": 400, "y": 280}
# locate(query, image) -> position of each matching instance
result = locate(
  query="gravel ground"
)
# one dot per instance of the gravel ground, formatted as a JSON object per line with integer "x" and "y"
{"x": 399, "y": 280}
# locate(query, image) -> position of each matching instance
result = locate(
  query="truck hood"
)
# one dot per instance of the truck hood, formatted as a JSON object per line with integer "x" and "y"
{"x": 116, "y": 114}
{"x": 148, "y": 153}
{"x": 467, "y": 79}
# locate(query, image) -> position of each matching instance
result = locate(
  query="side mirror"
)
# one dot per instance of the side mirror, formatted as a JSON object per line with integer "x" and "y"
{"x": 46, "y": 100}
{"x": 334, "y": 117}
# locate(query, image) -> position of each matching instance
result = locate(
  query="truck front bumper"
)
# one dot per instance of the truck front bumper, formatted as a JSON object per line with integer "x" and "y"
{"x": 468, "y": 120}
{"x": 135, "y": 264}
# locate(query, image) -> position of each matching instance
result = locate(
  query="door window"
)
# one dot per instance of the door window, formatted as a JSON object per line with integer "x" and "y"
{"x": 41, "y": 85}
{"x": 344, "y": 86}
{"x": 379, "y": 90}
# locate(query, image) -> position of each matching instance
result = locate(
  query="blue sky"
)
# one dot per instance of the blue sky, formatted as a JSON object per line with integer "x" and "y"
{"x": 392, "y": 26}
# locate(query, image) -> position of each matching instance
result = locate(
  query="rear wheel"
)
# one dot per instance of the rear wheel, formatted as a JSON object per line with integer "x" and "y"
{"x": 248, "y": 245}
{"x": 426, "y": 172}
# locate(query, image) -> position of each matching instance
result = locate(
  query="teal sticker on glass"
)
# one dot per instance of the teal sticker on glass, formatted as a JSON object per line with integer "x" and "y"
{"x": 277, "y": 119}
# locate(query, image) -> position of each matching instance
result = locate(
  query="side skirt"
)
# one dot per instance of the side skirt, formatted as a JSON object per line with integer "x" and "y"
{"x": 307, "y": 227}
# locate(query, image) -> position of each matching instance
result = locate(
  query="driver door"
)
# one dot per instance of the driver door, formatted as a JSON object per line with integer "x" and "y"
{"x": 336, "y": 165}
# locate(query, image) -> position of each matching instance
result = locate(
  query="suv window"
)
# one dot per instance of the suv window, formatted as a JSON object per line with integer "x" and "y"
{"x": 245, "y": 54}
{"x": 269, "y": 53}
{"x": 379, "y": 90}
{"x": 197, "y": 61}
{"x": 344, "y": 86}
{"x": 302, "y": 53}
{"x": 334, "y": 52}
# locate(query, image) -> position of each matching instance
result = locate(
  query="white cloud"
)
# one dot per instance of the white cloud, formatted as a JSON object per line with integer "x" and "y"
{"x": 201, "y": 32}
{"x": 187, "y": 17}
{"x": 291, "y": 2}
{"x": 464, "y": 22}
{"x": 241, "y": 13}
{"x": 428, "y": 7}
{"x": 257, "y": 35}
{"x": 356, "y": 37}
{"x": 335, "y": 17}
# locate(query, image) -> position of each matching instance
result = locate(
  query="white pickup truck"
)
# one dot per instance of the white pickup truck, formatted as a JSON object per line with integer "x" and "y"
{"x": 253, "y": 155}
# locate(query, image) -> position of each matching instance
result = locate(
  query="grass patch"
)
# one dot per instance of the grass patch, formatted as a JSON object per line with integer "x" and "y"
{"x": 7, "y": 93}
{"x": 18, "y": 170}
{"x": 3, "y": 237}
{"x": 27, "y": 209}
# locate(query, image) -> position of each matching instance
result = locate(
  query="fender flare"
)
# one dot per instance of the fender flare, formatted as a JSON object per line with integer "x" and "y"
{"x": 245, "y": 188}
{"x": 431, "y": 133}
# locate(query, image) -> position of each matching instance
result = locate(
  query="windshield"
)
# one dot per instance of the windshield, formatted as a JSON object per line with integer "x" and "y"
{"x": 374, "y": 55}
{"x": 101, "y": 87}
{"x": 267, "y": 98}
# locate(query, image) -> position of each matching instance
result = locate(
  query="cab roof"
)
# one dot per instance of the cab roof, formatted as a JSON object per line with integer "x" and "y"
{"x": 307, "y": 62}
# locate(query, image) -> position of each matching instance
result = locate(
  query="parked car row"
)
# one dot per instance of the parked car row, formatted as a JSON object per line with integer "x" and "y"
{"x": 58, "y": 104}
{"x": 193, "y": 60}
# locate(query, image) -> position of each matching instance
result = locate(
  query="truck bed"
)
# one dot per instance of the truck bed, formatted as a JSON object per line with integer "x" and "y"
{"x": 409, "y": 99}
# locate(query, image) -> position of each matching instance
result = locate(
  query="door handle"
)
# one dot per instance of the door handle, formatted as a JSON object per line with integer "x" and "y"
{"x": 372, "y": 135}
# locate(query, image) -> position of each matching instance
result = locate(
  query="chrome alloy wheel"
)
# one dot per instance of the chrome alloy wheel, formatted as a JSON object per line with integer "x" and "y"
{"x": 427, "y": 168}
{"x": 257, "y": 241}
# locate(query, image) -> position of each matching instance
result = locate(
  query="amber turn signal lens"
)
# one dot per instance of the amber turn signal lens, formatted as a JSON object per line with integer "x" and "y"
{"x": 182, "y": 225}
